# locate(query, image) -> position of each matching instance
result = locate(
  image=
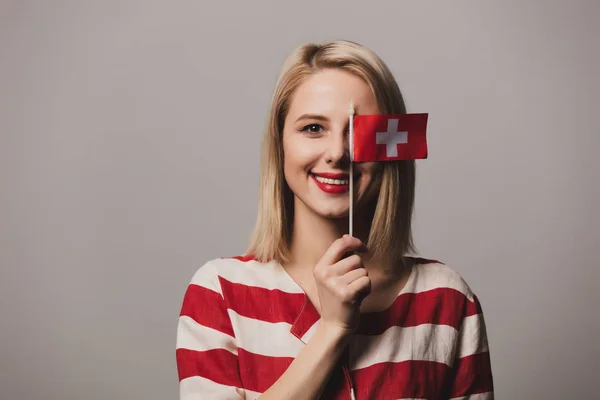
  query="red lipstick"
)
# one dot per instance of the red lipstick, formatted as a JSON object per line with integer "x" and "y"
{"x": 329, "y": 187}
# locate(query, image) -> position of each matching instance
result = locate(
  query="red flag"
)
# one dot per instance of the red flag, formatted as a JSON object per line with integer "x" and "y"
{"x": 390, "y": 137}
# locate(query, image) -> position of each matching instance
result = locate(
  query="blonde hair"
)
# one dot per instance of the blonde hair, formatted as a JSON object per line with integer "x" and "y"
{"x": 390, "y": 237}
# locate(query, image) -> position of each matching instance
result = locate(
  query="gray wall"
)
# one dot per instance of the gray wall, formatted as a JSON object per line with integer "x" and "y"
{"x": 130, "y": 133}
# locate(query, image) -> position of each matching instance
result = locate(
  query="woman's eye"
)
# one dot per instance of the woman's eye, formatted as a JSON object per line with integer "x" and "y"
{"x": 312, "y": 128}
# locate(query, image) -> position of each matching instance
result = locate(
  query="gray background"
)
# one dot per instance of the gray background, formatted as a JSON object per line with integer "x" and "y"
{"x": 130, "y": 135}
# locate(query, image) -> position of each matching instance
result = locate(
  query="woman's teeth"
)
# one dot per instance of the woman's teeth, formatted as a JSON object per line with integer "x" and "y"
{"x": 332, "y": 181}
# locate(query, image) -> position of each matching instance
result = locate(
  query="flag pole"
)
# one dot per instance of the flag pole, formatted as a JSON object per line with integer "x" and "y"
{"x": 351, "y": 212}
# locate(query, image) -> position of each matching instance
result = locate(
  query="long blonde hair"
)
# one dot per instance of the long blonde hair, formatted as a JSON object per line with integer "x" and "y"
{"x": 390, "y": 237}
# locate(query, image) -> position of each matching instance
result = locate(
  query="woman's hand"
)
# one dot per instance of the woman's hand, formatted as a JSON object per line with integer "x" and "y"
{"x": 342, "y": 283}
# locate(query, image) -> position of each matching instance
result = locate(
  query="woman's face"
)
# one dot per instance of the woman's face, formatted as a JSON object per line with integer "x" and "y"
{"x": 316, "y": 143}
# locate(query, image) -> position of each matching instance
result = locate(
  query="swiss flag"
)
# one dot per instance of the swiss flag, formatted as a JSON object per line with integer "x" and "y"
{"x": 390, "y": 137}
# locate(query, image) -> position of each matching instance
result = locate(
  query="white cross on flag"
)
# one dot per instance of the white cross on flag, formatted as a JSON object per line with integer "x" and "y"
{"x": 390, "y": 137}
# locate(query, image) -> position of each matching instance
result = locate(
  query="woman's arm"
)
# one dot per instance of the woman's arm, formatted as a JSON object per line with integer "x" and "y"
{"x": 342, "y": 283}
{"x": 308, "y": 374}
{"x": 472, "y": 371}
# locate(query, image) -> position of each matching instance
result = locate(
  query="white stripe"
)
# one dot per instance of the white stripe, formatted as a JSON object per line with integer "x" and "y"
{"x": 425, "y": 277}
{"x": 193, "y": 336}
{"x": 272, "y": 275}
{"x": 206, "y": 277}
{"x": 426, "y": 342}
{"x": 265, "y": 338}
{"x": 269, "y": 275}
{"x": 197, "y": 387}
{"x": 473, "y": 338}
{"x": 478, "y": 396}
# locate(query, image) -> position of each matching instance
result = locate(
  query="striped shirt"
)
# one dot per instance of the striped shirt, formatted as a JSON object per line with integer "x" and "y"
{"x": 243, "y": 322}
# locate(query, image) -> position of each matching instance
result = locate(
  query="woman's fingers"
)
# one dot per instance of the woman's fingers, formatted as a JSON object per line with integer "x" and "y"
{"x": 341, "y": 281}
{"x": 361, "y": 288}
{"x": 353, "y": 275}
{"x": 347, "y": 264}
{"x": 345, "y": 244}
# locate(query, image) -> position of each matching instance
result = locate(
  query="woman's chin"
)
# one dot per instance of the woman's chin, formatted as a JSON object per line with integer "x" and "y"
{"x": 330, "y": 208}
{"x": 333, "y": 213}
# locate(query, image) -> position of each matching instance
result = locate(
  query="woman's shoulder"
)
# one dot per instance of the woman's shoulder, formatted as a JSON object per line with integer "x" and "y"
{"x": 434, "y": 275}
{"x": 442, "y": 293}
{"x": 244, "y": 270}
{"x": 213, "y": 268}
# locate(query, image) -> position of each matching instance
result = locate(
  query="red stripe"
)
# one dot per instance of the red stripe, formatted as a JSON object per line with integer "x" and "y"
{"x": 413, "y": 379}
{"x": 217, "y": 365}
{"x": 261, "y": 372}
{"x": 306, "y": 319}
{"x": 418, "y": 379}
{"x": 207, "y": 308}
{"x": 472, "y": 375}
{"x": 262, "y": 304}
{"x": 473, "y": 307}
{"x": 437, "y": 306}
{"x": 422, "y": 379}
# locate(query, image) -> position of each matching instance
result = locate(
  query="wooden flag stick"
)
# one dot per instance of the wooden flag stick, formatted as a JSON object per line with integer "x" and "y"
{"x": 351, "y": 212}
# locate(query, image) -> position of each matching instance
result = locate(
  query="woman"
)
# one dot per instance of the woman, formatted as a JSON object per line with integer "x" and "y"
{"x": 310, "y": 311}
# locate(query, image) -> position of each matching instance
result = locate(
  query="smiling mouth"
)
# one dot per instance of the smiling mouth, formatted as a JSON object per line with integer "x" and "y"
{"x": 331, "y": 181}
{"x": 341, "y": 180}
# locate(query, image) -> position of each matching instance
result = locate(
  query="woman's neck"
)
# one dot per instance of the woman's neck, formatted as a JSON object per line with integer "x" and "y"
{"x": 312, "y": 235}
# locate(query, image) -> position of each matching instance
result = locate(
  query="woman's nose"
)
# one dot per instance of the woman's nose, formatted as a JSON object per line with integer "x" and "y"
{"x": 338, "y": 149}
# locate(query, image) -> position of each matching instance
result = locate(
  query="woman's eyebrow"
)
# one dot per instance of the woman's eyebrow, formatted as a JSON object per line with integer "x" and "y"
{"x": 317, "y": 117}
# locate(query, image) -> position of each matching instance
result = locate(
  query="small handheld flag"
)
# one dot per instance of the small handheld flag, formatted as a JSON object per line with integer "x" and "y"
{"x": 385, "y": 137}
{"x": 390, "y": 137}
